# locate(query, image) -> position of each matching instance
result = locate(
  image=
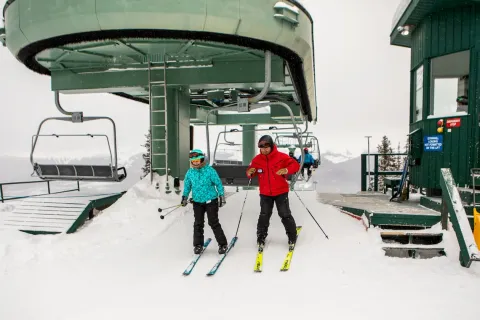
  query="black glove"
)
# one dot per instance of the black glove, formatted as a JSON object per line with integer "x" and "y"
{"x": 184, "y": 201}
{"x": 221, "y": 201}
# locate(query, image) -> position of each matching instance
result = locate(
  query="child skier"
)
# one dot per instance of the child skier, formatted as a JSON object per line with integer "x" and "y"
{"x": 208, "y": 195}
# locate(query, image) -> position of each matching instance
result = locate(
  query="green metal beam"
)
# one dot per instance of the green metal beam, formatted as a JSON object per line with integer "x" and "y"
{"x": 222, "y": 73}
{"x": 199, "y": 115}
{"x": 248, "y": 118}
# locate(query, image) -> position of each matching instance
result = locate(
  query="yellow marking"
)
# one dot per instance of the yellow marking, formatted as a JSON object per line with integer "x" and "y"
{"x": 258, "y": 262}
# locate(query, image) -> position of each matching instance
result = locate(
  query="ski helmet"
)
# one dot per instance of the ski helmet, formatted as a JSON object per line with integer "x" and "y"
{"x": 196, "y": 154}
{"x": 266, "y": 139}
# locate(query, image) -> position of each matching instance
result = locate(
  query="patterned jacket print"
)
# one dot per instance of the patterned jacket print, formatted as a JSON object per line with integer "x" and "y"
{"x": 204, "y": 183}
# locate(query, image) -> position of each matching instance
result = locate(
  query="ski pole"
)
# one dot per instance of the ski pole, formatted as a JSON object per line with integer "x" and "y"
{"x": 311, "y": 214}
{"x": 241, "y": 212}
{"x": 175, "y": 207}
{"x": 160, "y": 209}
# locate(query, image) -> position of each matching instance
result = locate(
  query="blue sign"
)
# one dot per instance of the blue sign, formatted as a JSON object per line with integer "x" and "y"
{"x": 433, "y": 143}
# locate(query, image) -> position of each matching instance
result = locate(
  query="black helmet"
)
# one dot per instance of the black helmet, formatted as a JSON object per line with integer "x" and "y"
{"x": 266, "y": 139}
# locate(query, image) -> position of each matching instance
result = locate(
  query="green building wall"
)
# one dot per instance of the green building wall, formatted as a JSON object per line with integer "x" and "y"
{"x": 445, "y": 32}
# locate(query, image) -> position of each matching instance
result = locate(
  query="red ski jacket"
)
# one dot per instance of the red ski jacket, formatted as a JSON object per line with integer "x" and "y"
{"x": 267, "y": 166}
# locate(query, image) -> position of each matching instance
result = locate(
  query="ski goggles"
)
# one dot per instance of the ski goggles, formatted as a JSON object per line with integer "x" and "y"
{"x": 195, "y": 155}
{"x": 262, "y": 145}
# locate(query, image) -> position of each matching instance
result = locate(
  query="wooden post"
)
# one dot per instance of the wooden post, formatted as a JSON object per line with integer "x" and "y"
{"x": 444, "y": 215}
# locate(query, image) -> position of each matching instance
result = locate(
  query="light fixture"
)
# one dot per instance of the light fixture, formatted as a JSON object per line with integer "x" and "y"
{"x": 404, "y": 30}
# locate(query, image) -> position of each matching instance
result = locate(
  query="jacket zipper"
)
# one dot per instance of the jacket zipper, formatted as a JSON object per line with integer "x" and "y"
{"x": 268, "y": 172}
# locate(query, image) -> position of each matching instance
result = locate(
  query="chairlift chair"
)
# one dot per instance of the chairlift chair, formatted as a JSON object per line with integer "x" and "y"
{"x": 73, "y": 172}
{"x": 227, "y": 143}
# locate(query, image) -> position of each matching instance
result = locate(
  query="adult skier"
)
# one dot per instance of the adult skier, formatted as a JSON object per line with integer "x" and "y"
{"x": 208, "y": 195}
{"x": 271, "y": 167}
{"x": 307, "y": 164}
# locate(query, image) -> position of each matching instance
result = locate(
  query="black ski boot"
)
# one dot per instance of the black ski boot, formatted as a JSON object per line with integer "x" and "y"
{"x": 291, "y": 244}
{"x": 222, "y": 249}
{"x": 198, "y": 249}
{"x": 260, "y": 243}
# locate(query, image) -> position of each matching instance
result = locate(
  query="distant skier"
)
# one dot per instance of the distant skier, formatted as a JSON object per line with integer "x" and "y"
{"x": 292, "y": 155}
{"x": 271, "y": 166}
{"x": 208, "y": 195}
{"x": 307, "y": 164}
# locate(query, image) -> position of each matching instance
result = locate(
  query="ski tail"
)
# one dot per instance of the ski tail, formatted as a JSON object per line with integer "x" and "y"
{"x": 288, "y": 258}
{"x": 222, "y": 257}
{"x": 196, "y": 257}
{"x": 259, "y": 259}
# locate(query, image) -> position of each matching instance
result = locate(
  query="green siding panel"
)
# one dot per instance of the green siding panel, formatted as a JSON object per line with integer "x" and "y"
{"x": 444, "y": 32}
{"x": 455, "y": 155}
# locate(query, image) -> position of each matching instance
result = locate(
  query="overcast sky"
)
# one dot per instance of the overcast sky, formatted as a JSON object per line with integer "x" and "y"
{"x": 362, "y": 87}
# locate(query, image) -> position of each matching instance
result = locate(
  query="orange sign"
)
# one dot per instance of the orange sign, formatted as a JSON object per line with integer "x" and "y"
{"x": 454, "y": 123}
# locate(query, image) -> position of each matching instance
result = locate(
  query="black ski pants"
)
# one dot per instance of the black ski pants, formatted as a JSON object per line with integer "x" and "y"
{"x": 307, "y": 166}
{"x": 211, "y": 209}
{"x": 283, "y": 208}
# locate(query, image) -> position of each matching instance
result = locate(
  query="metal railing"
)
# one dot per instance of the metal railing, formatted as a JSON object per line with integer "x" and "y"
{"x": 3, "y": 184}
{"x": 365, "y": 173}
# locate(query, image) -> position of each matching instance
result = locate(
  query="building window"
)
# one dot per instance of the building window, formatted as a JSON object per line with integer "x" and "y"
{"x": 418, "y": 97}
{"x": 449, "y": 85}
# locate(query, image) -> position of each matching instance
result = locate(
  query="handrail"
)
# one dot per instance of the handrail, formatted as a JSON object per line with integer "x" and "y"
{"x": 3, "y": 199}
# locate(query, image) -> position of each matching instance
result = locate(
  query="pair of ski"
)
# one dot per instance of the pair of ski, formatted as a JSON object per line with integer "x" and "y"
{"x": 286, "y": 261}
{"x": 215, "y": 267}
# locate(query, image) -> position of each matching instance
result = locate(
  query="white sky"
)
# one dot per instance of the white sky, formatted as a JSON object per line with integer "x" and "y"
{"x": 362, "y": 87}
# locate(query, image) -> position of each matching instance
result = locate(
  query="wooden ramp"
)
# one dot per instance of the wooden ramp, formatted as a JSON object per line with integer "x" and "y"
{"x": 379, "y": 211}
{"x": 49, "y": 214}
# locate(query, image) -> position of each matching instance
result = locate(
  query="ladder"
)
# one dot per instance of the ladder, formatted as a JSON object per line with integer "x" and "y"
{"x": 160, "y": 143}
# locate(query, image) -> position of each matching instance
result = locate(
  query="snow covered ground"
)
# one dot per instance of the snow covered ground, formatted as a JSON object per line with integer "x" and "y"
{"x": 127, "y": 264}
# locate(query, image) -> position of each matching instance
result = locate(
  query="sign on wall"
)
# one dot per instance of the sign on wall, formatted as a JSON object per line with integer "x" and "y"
{"x": 454, "y": 122}
{"x": 433, "y": 143}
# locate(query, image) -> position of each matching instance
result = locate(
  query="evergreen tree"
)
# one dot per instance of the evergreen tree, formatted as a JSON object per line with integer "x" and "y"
{"x": 387, "y": 162}
{"x": 146, "y": 156}
{"x": 398, "y": 159}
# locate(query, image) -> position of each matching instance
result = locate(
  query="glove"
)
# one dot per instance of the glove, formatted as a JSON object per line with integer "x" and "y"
{"x": 282, "y": 171}
{"x": 184, "y": 201}
{"x": 251, "y": 171}
{"x": 221, "y": 201}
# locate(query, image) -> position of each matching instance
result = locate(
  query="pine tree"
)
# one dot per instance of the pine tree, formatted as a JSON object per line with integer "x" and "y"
{"x": 398, "y": 159}
{"x": 387, "y": 161}
{"x": 146, "y": 156}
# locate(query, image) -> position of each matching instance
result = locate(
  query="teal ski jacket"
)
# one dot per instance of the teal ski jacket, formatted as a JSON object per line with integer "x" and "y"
{"x": 204, "y": 183}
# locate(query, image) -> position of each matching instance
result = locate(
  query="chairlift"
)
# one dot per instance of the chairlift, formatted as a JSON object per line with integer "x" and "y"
{"x": 234, "y": 174}
{"x": 285, "y": 140}
{"x": 227, "y": 143}
{"x": 72, "y": 172}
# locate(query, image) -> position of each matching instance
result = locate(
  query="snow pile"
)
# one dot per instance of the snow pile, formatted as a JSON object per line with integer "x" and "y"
{"x": 127, "y": 264}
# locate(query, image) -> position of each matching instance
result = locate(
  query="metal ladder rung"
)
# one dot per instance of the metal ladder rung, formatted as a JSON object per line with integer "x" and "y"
{"x": 159, "y": 168}
{"x": 157, "y": 82}
{"x": 159, "y": 125}
{"x": 158, "y": 96}
{"x": 159, "y": 139}
{"x": 159, "y": 154}
{"x": 158, "y": 111}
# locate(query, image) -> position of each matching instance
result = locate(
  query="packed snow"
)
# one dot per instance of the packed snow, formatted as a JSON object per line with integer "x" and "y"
{"x": 127, "y": 263}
